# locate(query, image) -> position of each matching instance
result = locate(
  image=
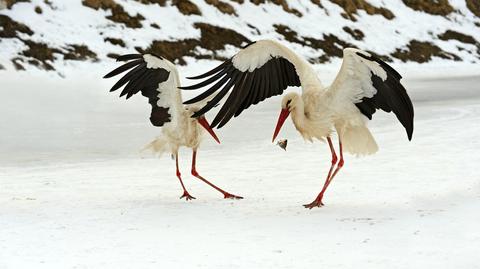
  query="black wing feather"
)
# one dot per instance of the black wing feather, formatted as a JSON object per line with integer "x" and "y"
{"x": 248, "y": 88}
{"x": 128, "y": 57}
{"x": 236, "y": 99}
{"x": 212, "y": 103}
{"x": 133, "y": 79}
{"x": 390, "y": 96}
{"x": 123, "y": 68}
{"x": 145, "y": 80}
{"x": 213, "y": 71}
{"x": 127, "y": 77}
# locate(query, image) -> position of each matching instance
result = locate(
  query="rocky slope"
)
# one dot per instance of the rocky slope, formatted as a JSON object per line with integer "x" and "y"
{"x": 55, "y": 34}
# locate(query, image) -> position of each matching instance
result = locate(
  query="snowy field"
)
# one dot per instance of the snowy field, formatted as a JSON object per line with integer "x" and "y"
{"x": 76, "y": 193}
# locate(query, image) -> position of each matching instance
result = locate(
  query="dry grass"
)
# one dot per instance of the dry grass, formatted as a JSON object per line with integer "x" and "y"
{"x": 10, "y": 3}
{"x": 317, "y": 2}
{"x": 213, "y": 38}
{"x": 434, "y": 7}
{"x": 450, "y": 34}
{"x": 115, "y": 41}
{"x": 161, "y": 3}
{"x": 355, "y": 33}
{"x": 186, "y": 7}
{"x": 79, "y": 53}
{"x": 351, "y": 7}
{"x": 288, "y": 34}
{"x": 173, "y": 50}
{"x": 330, "y": 44}
{"x": 474, "y": 7}
{"x": 282, "y": 3}
{"x": 118, "y": 13}
{"x": 40, "y": 54}
{"x": 10, "y": 28}
{"x": 17, "y": 63}
{"x": 422, "y": 52}
{"x": 222, "y": 6}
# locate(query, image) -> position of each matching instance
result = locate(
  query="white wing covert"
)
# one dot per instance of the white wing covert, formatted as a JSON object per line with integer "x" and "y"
{"x": 372, "y": 84}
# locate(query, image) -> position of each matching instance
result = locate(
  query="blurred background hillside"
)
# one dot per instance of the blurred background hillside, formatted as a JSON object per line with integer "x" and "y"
{"x": 63, "y": 35}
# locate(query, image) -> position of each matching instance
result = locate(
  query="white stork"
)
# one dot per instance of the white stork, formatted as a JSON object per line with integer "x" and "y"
{"x": 157, "y": 79}
{"x": 266, "y": 68}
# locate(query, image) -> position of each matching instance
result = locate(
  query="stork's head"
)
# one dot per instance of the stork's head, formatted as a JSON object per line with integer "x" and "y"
{"x": 202, "y": 121}
{"x": 289, "y": 102}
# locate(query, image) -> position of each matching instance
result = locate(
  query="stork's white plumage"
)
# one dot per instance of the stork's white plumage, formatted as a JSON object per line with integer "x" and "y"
{"x": 266, "y": 68}
{"x": 157, "y": 79}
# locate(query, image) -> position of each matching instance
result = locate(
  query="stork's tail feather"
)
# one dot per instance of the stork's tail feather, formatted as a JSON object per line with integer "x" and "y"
{"x": 358, "y": 140}
{"x": 158, "y": 146}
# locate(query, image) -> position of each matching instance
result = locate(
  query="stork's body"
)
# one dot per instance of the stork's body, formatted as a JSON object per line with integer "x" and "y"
{"x": 266, "y": 68}
{"x": 157, "y": 79}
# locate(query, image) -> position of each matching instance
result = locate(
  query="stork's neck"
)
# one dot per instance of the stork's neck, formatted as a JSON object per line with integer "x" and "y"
{"x": 298, "y": 115}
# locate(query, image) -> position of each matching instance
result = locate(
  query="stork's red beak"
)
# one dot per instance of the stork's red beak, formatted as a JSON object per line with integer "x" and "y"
{"x": 281, "y": 119}
{"x": 207, "y": 127}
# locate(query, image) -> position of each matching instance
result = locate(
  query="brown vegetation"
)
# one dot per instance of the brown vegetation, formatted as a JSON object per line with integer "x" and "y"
{"x": 474, "y": 7}
{"x": 118, "y": 13}
{"x": 288, "y": 34}
{"x": 38, "y": 10}
{"x": 11, "y": 27}
{"x": 115, "y": 41}
{"x": 40, "y": 54}
{"x": 450, "y": 34}
{"x": 222, "y": 6}
{"x": 330, "y": 44}
{"x": 173, "y": 50}
{"x": 10, "y": 3}
{"x": 422, "y": 52}
{"x": 282, "y": 3}
{"x": 186, "y": 7}
{"x": 355, "y": 33}
{"x": 79, "y": 52}
{"x": 213, "y": 38}
{"x": 159, "y": 2}
{"x": 16, "y": 63}
{"x": 384, "y": 58}
{"x": 350, "y": 8}
{"x": 434, "y": 7}
{"x": 317, "y": 2}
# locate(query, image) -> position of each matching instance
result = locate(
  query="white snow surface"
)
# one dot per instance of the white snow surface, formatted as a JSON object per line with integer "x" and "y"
{"x": 75, "y": 192}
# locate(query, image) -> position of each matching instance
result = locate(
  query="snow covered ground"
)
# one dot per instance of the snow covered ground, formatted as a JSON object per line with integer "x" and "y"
{"x": 75, "y": 193}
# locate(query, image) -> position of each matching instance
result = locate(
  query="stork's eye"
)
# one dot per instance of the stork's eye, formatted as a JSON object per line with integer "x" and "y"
{"x": 288, "y": 102}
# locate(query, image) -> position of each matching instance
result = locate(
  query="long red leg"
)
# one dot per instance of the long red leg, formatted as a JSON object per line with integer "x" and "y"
{"x": 339, "y": 165}
{"x": 318, "y": 201}
{"x": 185, "y": 195}
{"x": 195, "y": 174}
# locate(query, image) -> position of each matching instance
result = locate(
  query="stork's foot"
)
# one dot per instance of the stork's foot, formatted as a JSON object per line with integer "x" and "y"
{"x": 316, "y": 203}
{"x": 231, "y": 196}
{"x": 187, "y": 196}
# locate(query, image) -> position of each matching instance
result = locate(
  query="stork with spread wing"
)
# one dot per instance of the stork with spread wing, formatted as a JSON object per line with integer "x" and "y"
{"x": 266, "y": 68}
{"x": 157, "y": 79}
